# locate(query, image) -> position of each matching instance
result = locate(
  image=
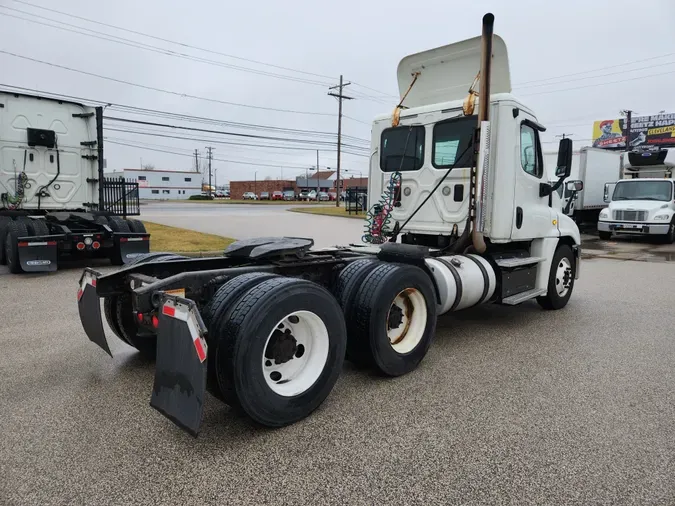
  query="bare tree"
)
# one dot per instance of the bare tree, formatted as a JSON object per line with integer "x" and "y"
{"x": 148, "y": 166}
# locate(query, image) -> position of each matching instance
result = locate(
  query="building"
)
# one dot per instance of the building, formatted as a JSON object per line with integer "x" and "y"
{"x": 238, "y": 188}
{"x": 162, "y": 184}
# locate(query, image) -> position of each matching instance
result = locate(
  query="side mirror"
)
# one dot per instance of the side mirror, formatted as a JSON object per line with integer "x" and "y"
{"x": 564, "y": 166}
{"x": 608, "y": 189}
{"x": 575, "y": 185}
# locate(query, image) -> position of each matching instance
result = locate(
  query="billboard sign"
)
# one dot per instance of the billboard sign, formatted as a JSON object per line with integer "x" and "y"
{"x": 645, "y": 132}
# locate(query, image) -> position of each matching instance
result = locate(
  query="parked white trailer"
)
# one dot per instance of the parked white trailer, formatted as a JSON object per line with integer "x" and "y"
{"x": 451, "y": 224}
{"x": 594, "y": 167}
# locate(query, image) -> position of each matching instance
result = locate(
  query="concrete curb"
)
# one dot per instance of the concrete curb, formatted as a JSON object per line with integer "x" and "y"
{"x": 355, "y": 217}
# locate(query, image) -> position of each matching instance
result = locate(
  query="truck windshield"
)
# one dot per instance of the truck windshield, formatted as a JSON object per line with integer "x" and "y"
{"x": 643, "y": 190}
{"x": 402, "y": 148}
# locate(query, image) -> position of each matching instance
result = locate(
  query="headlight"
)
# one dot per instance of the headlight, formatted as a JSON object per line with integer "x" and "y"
{"x": 662, "y": 217}
{"x": 604, "y": 215}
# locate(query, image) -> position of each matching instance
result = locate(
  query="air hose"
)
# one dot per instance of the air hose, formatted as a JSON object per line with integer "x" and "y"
{"x": 21, "y": 182}
{"x": 379, "y": 215}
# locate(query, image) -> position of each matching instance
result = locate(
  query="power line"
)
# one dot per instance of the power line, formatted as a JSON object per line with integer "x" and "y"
{"x": 227, "y": 143}
{"x": 219, "y": 132}
{"x": 130, "y": 109}
{"x": 598, "y": 76}
{"x": 598, "y": 84}
{"x": 173, "y": 147}
{"x": 170, "y": 92}
{"x": 214, "y": 159}
{"x": 155, "y": 49}
{"x": 595, "y": 70}
{"x": 172, "y": 41}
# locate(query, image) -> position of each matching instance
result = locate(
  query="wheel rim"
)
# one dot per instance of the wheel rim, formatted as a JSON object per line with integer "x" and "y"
{"x": 406, "y": 320}
{"x": 296, "y": 352}
{"x": 563, "y": 277}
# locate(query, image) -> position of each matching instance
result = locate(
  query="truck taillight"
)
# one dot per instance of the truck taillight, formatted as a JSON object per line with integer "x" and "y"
{"x": 80, "y": 246}
{"x": 96, "y": 245}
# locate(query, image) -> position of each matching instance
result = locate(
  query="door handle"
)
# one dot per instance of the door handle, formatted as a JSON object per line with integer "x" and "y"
{"x": 519, "y": 217}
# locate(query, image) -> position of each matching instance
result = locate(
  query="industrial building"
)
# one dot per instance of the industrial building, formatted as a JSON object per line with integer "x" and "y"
{"x": 162, "y": 184}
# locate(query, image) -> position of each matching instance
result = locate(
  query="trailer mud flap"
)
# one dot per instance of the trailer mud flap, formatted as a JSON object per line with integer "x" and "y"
{"x": 89, "y": 306}
{"x": 132, "y": 247}
{"x": 37, "y": 254}
{"x": 180, "y": 371}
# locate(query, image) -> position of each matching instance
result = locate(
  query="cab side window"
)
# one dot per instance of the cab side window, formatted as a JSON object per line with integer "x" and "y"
{"x": 530, "y": 152}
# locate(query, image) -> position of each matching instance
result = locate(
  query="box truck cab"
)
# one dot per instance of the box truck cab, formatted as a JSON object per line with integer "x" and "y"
{"x": 640, "y": 206}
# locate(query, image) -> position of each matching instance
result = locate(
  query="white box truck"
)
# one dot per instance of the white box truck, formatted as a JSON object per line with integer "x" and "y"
{"x": 594, "y": 167}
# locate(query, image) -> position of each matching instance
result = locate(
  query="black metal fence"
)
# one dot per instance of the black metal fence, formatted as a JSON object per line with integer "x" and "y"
{"x": 120, "y": 197}
{"x": 356, "y": 200}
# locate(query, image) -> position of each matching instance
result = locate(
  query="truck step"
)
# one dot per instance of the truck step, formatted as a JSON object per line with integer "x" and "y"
{"x": 509, "y": 263}
{"x": 523, "y": 296}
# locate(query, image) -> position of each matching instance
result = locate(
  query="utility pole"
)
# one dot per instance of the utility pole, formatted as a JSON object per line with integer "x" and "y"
{"x": 318, "y": 188}
{"x": 209, "y": 150}
{"x": 340, "y": 98}
{"x": 629, "y": 115}
{"x": 196, "y": 160}
{"x": 564, "y": 135}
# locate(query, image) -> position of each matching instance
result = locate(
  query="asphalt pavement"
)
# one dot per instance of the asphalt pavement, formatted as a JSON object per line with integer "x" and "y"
{"x": 246, "y": 221}
{"x": 512, "y": 405}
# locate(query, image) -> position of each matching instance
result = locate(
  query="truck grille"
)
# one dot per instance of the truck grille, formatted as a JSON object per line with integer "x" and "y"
{"x": 630, "y": 215}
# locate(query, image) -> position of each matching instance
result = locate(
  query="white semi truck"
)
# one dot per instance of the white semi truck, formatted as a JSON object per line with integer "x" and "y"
{"x": 464, "y": 215}
{"x": 593, "y": 167}
{"x": 54, "y": 200}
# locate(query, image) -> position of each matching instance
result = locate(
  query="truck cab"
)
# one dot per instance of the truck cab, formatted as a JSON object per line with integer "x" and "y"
{"x": 430, "y": 146}
{"x": 640, "y": 206}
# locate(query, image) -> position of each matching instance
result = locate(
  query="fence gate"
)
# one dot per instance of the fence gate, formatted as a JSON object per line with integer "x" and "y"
{"x": 119, "y": 197}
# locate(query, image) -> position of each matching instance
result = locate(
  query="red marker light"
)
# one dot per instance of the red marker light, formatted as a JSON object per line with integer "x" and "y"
{"x": 140, "y": 317}
{"x": 155, "y": 321}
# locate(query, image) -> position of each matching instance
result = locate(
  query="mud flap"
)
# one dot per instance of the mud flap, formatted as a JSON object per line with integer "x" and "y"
{"x": 38, "y": 254}
{"x": 89, "y": 306}
{"x": 180, "y": 371}
{"x": 132, "y": 247}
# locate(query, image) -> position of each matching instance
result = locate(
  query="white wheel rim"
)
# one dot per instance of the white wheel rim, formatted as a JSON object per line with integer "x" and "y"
{"x": 295, "y": 353}
{"x": 563, "y": 277}
{"x": 406, "y": 320}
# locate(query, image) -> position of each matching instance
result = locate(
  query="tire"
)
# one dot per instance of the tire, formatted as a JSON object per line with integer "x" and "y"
{"x": 137, "y": 226}
{"x": 4, "y": 221}
{"x": 117, "y": 224}
{"x": 347, "y": 285}
{"x": 144, "y": 341}
{"x": 110, "y": 302}
{"x": 110, "y": 312}
{"x": 555, "y": 299}
{"x": 15, "y": 229}
{"x": 216, "y": 313}
{"x": 669, "y": 238}
{"x": 151, "y": 257}
{"x": 387, "y": 287}
{"x": 605, "y": 236}
{"x": 246, "y": 364}
{"x": 37, "y": 227}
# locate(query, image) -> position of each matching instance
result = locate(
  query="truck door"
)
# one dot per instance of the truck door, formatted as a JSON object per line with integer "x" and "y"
{"x": 533, "y": 216}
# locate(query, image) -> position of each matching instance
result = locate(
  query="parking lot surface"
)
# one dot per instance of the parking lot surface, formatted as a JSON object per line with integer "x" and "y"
{"x": 246, "y": 221}
{"x": 510, "y": 406}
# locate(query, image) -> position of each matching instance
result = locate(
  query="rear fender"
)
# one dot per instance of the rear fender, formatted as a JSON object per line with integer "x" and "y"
{"x": 131, "y": 245}
{"x": 180, "y": 371}
{"x": 39, "y": 254}
{"x": 89, "y": 307}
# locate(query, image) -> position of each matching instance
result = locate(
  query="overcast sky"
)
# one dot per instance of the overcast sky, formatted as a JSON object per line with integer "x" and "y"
{"x": 362, "y": 40}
